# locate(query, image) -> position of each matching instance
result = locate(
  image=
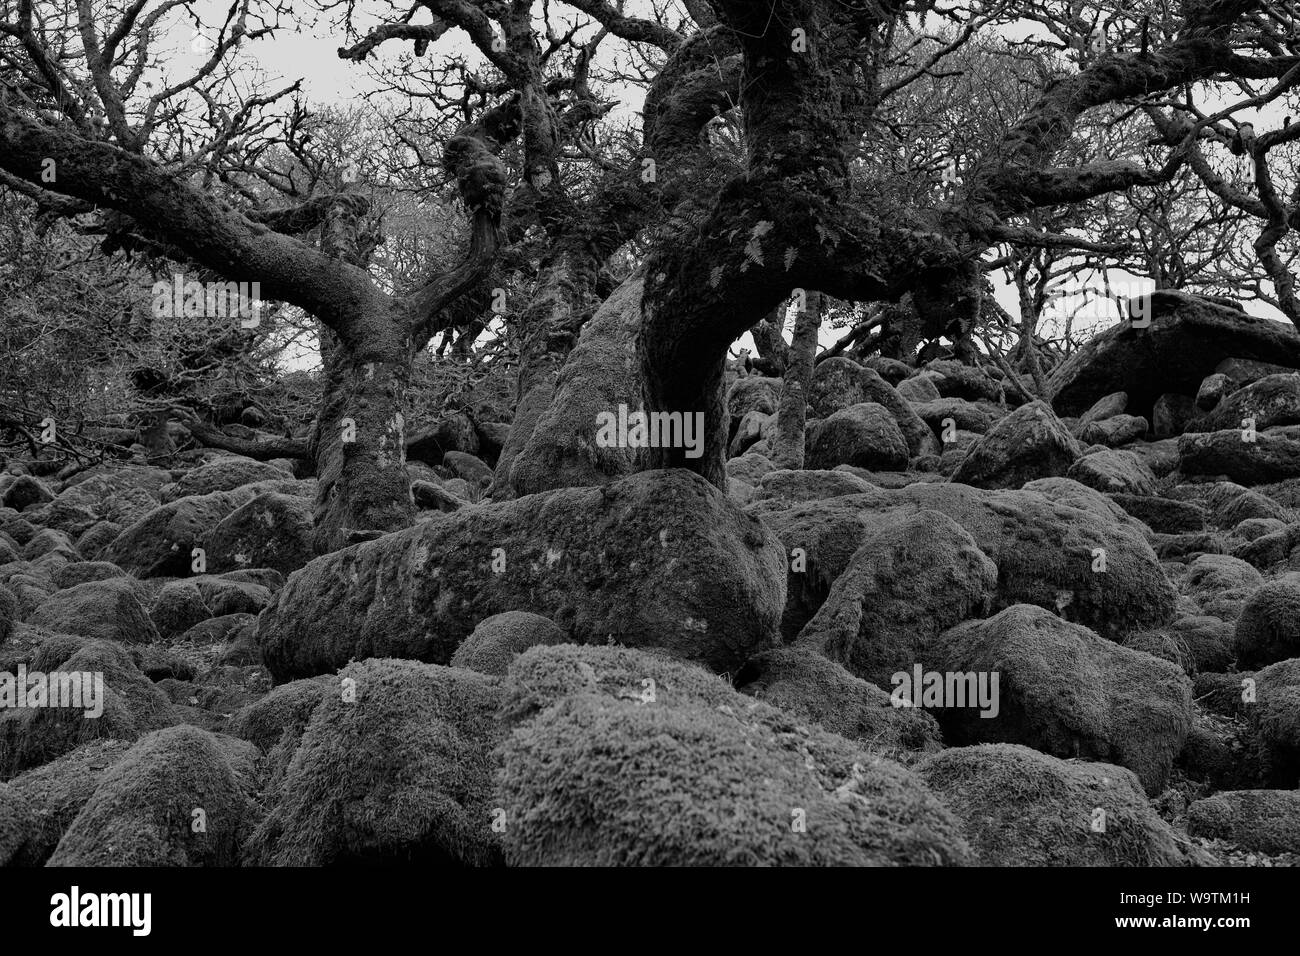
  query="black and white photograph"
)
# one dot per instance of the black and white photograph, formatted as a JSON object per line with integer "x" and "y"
{"x": 490, "y": 435}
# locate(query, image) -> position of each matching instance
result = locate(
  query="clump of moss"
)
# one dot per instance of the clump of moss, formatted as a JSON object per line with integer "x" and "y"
{"x": 58, "y": 791}
{"x": 807, "y": 685}
{"x": 608, "y": 770}
{"x": 497, "y": 640}
{"x": 178, "y": 797}
{"x": 393, "y": 767}
{"x": 132, "y": 706}
{"x": 1264, "y": 820}
{"x": 1020, "y": 807}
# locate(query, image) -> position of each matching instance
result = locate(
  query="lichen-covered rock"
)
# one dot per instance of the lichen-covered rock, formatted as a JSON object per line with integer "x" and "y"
{"x": 499, "y": 639}
{"x": 270, "y": 531}
{"x": 1029, "y": 443}
{"x": 1019, "y": 807}
{"x": 1265, "y": 456}
{"x": 1272, "y": 400}
{"x": 659, "y": 559}
{"x": 1067, "y": 692}
{"x": 179, "y": 797}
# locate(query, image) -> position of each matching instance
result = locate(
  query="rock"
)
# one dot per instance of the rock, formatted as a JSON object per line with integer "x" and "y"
{"x": 144, "y": 810}
{"x": 1114, "y": 471}
{"x": 17, "y": 825}
{"x": 693, "y": 743}
{"x": 453, "y": 431}
{"x": 916, "y": 576}
{"x": 177, "y": 608}
{"x": 1019, "y": 807}
{"x": 1213, "y": 389}
{"x": 962, "y": 414}
{"x": 21, "y": 492}
{"x": 499, "y": 639}
{"x": 1274, "y": 718}
{"x": 57, "y": 792}
{"x": 1252, "y": 529}
{"x": 397, "y": 771}
{"x": 600, "y": 374}
{"x": 1264, "y": 820}
{"x": 1188, "y": 336}
{"x": 1165, "y": 515}
{"x": 864, "y": 435}
{"x": 1268, "y": 630}
{"x": 8, "y": 612}
{"x": 918, "y": 388}
{"x": 891, "y": 370}
{"x": 1273, "y": 400}
{"x": 223, "y": 474}
{"x": 1160, "y": 456}
{"x": 102, "y": 497}
{"x": 753, "y": 393}
{"x": 1116, "y": 431}
{"x": 1271, "y": 456}
{"x": 748, "y": 432}
{"x": 1171, "y": 414}
{"x": 1229, "y": 503}
{"x": 1067, "y": 692}
{"x": 161, "y": 543}
{"x": 808, "y": 686}
{"x": 430, "y": 495}
{"x": 954, "y": 380}
{"x": 783, "y": 485}
{"x": 1029, "y": 443}
{"x": 1212, "y": 574}
{"x": 275, "y": 723}
{"x": 1271, "y": 548}
{"x": 659, "y": 559}
{"x": 216, "y": 630}
{"x": 1108, "y": 406}
{"x": 97, "y": 537}
{"x": 83, "y": 572}
{"x": 270, "y": 531}
{"x": 1207, "y": 641}
{"x": 468, "y": 467}
{"x": 749, "y": 468}
{"x": 132, "y": 706}
{"x": 1044, "y": 552}
{"x": 840, "y": 383}
{"x": 48, "y": 541}
{"x": 108, "y": 610}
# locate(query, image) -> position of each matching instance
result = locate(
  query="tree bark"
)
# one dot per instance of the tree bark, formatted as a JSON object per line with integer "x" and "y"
{"x": 792, "y": 413}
